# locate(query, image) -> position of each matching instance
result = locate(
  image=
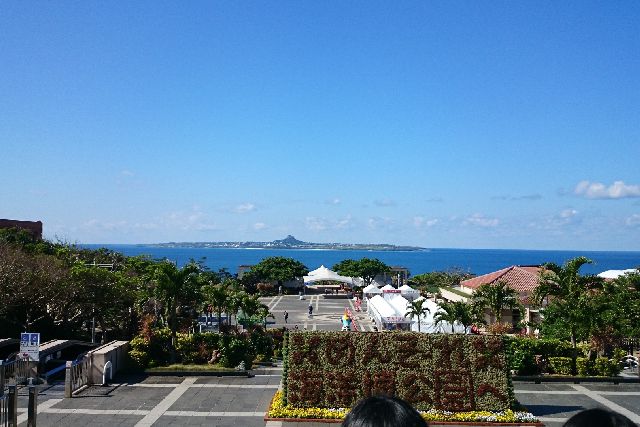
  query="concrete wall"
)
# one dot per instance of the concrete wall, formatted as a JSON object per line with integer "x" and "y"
{"x": 113, "y": 352}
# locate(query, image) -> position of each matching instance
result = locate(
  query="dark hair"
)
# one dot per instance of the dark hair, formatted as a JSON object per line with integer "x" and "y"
{"x": 599, "y": 418}
{"x": 383, "y": 411}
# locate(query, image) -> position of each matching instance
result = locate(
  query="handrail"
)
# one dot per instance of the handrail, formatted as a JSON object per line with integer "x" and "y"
{"x": 54, "y": 371}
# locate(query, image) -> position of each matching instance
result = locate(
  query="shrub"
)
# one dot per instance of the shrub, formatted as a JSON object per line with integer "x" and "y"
{"x": 584, "y": 366}
{"x": 606, "y": 367}
{"x": 560, "y": 365}
{"x": 235, "y": 349}
{"x": 445, "y": 372}
{"x": 261, "y": 343}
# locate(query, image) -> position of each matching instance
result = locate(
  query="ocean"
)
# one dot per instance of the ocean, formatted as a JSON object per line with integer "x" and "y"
{"x": 477, "y": 261}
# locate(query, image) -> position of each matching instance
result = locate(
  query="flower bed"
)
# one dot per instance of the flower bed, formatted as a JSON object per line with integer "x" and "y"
{"x": 278, "y": 410}
{"x": 457, "y": 373}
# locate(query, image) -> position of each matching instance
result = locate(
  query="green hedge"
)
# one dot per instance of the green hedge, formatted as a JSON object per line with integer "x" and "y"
{"x": 561, "y": 365}
{"x": 444, "y": 372}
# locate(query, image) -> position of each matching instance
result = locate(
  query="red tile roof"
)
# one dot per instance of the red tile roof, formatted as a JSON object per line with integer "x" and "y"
{"x": 523, "y": 279}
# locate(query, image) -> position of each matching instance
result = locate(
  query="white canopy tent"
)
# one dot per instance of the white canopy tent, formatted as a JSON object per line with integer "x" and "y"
{"x": 409, "y": 293}
{"x": 388, "y": 288}
{"x": 372, "y": 289}
{"x": 384, "y": 315}
{"x": 323, "y": 273}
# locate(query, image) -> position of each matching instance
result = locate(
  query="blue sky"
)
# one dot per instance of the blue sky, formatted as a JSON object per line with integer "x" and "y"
{"x": 438, "y": 124}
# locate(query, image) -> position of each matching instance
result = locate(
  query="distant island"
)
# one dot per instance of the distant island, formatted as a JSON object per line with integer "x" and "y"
{"x": 289, "y": 242}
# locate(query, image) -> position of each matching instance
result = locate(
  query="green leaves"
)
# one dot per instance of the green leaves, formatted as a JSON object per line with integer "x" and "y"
{"x": 366, "y": 268}
{"x": 278, "y": 269}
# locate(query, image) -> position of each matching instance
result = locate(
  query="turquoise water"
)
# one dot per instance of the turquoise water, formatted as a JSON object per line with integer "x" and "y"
{"x": 478, "y": 261}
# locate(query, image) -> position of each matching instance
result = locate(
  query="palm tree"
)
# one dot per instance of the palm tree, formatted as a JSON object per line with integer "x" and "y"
{"x": 496, "y": 297}
{"x": 218, "y": 297}
{"x": 568, "y": 295}
{"x": 446, "y": 314}
{"x": 417, "y": 309}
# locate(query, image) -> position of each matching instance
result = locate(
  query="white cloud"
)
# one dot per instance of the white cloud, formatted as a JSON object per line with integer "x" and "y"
{"x": 319, "y": 224}
{"x": 568, "y": 213}
{"x": 421, "y": 221}
{"x": 633, "y": 220}
{"x": 126, "y": 172}
{"x": 334, "y": 201}
{"x": 597, "y": 190}
{"x": 259, "y": 226}
{"x": 315, "y": 224}
{"x": 375, "y": 223}
{"x": 244, "y": 208}
{"x": 480, "y": 220}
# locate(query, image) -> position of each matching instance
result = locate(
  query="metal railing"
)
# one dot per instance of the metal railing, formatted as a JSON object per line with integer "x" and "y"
{"x": 77, "y": 375}
{"x": 16, "y": 371}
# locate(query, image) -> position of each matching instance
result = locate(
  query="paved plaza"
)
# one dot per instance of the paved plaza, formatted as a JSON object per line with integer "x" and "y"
{"x": 241, "y": 401}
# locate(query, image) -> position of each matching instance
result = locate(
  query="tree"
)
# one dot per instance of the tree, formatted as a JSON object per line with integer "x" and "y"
{"x": 278, "y": 269}
{"x": 365, "y": 268}
{"x": 217, "y": 296}
{"x": 417, "y": 309}
{"x": 176, "y": 287}
{"x": 433, "y": 281}
{"x": 495, "y": 298}
{"x": 569, "y": 296}
{"x": 446, "y": 314}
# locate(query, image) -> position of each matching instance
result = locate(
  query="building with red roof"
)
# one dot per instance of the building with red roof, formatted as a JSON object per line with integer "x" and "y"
{"x": 524, "y": 279}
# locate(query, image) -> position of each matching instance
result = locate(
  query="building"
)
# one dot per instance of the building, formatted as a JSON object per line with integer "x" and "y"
{"x": 523, "y": 279}
{"x": 33, "y": 227}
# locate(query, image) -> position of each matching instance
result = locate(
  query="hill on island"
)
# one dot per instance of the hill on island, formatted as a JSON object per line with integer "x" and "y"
{"x": 290, "y": 242}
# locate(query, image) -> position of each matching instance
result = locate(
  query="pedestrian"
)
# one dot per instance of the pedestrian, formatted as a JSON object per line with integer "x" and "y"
{"x": 286, "y": 317}
{"x": 310, "y": 309}
{"x": 598, "y": 418}
{"x": 383, "y": 411}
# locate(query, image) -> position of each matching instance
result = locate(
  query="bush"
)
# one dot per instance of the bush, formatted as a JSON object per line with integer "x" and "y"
{"x": 606, "y": 367}
{"x": 523, "y": 351}
{"x": 584, "y": 366}
{"x": 560, "y": 365}
{"x": 236, "y": 349}
{"x": 261, "y": 343}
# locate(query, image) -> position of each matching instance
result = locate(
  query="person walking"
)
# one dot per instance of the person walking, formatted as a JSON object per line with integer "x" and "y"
{"x": 310, "y": 309}
{"x": 286, "y": 317}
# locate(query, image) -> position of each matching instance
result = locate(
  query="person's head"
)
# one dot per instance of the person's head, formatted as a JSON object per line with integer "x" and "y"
{"x": 599, "y": 418}
{"x": 383, "y": 411}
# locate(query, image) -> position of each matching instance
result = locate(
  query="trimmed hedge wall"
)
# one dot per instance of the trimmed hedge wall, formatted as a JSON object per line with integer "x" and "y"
{"x": 444, "y": 372}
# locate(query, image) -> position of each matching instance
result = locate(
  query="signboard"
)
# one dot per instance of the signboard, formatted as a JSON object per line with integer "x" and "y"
{"x": 391, "y": 291}
{"x": 30, "y": 346}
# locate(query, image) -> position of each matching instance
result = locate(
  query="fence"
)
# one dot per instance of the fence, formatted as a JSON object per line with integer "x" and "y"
{"x": 77, "y": 375}
{"x": 17, "y": 371}
{"x": 9, "y": 406}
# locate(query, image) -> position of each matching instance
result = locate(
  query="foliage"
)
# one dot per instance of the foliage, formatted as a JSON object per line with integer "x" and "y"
{"x": 570, "y": 298}
{"x": 366, "y": 268}
{"x": 417, "y": 309}
{"x": 278, "y": 409}
{"x": 278, "y": 269}
{"x": 444, "y": 372}
{"x": 561, "y": 365}
{"x": 433, "y": 281}
{"x": 456, "y": 311}
{"x": 496, "y": 297}
{"x": 523, "y": 352}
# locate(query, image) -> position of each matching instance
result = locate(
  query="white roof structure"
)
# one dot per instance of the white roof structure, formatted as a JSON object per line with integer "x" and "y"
{"x": 323, "y": 273}
{"x": 614, "y": 274}
{"x": 388, "y": 288}
{"x": 372, "y": 289}
{"x": 380, "y": 308}
{"x": 406, "y": 289}
{"x": 399, "y": 304}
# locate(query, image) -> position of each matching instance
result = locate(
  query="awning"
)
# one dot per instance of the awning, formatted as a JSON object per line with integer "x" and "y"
{"x": 323, "y": 273}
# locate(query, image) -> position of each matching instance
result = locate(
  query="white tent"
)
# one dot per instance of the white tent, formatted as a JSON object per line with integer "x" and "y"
{"x": 323, "y": 273}
{"x": 408, "y": 292}
{"x": 614, "y": 274}
{"x": 385, "y": 316}
{"x": 372, "y": 289}
{"x": 388, "y": 288}
{"x": 399, "y": 304}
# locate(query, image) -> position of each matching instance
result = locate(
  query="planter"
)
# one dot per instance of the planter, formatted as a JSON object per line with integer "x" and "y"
{"x": 294, "y": 421}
